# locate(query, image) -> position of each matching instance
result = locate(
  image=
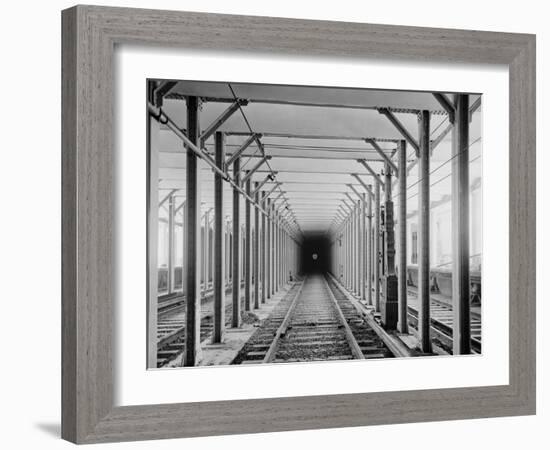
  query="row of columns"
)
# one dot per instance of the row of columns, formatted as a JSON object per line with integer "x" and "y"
{"x": 356, "y": 251}
{"x": 263, "y": 251}
{"x": 268, "y": 255}
{"x": 207, "y": 246}
{"x": 368, "y": 270}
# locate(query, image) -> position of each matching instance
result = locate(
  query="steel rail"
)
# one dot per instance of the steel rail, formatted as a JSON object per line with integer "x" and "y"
{"x": 399, "y": 350}
{"x": 270, "y": 355}
{"x": 354, "y": 346}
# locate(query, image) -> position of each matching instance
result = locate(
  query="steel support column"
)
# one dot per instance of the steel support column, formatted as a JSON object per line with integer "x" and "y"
{"x": 358, "y": 249}
{"x": 350, "y": 250}
{"x": 354, "y": 248}
{"x": 389, "y": 307}
{"x": 424, "y": 233}
{"x": 219, "y": 243}
{"x": 283, "y": 256}
{"x": 227, "y": 252}
{"x": 256, "y": 258}
{"x": 282, "y": 252}
{"x": 461, "y": 227}
{"x": 269, "y": 250}
{"x": 171, "y": 246}
{"x": 236, "y": 241}
{"x": 205, "y": 251}
{"x": 274, "y": 251}
{"x": 369, "y": 246}
{"x": 402, "y": 325}
{"x": 277, "y": 254}
{"x": 247, "y": 250}
{"x": 362, "y": 247}
{"x": 376, "y": 247}
{"x": 192, "y": 352}
{"x": 153, "y": 131}
{"x": 346, "y": 253}
{"x": 263, "y": 240}
{"x": 184, "y": 249}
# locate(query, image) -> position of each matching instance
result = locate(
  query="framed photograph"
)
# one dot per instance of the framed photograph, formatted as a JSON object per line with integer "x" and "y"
{"x": 275, "y": 224}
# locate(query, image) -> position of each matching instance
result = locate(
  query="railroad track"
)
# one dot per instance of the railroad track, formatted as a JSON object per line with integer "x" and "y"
{"x": 171, "y": 334}
{"x": 315, "y": 323}
{"x": 171, "y": 325}
{"x": 174, "y": 303}
{"x": 441, "y": 318}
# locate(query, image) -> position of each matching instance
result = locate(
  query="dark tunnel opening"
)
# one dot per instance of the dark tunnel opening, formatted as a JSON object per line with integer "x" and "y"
{"x": 315, "y": 255}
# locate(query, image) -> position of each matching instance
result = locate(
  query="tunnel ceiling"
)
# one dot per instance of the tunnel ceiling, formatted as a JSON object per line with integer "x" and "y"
{"x": 313, "y": 135}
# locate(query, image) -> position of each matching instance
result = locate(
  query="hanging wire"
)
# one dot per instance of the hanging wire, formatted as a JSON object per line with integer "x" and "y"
{"x": 445, "y": 177}
{"x": 260, "y": 145}
{"x": 396, "y": 195}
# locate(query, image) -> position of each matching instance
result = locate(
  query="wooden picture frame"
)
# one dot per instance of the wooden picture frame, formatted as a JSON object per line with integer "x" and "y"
{"x": 90, "y": 34}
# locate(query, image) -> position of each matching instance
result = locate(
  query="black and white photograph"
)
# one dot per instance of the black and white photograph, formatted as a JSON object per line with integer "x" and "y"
{"x": 292, "y": 224}
{"x": 275, "y": 225}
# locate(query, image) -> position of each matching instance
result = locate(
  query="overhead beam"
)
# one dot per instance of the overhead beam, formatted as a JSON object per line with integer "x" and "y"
{"x": 371, "y": 171}
{"x": 255, "y": 168}
{"x": 331, "y": 156}
{"x": 441, "y": 136}
{"x": 475, "y": 106}
{"x": 311, "y": 136}
{"x": 350, "y": 209}
{"x": 276, "y": 185}
{"x": 268, "y": 178}
{"x": 368, "y": 188}
{"x": 277, "y": 198}
{"x": 381, "y": 152}
{"x": 195, "y": 147}
{"x": 165, "y": 199}
{"x": 179, "y": 207}
{"x": 162, "y": 90}
{"x": 241, "y": 149}
{"x": 446, "y": 105}
{"x": 310, "y": 104}
{"x": 352, "y": 200}
{"x": 220, "y": 120}
{"x": 400, "y": 127}
{"x": 354, "y": 189}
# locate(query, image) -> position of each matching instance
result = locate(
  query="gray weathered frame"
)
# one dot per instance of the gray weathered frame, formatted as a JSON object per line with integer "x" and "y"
{"x": 89, "y": 36}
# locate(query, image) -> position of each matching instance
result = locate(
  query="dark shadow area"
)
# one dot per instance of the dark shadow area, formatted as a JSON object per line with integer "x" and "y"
{"x": 53, "y": 429}
{"x": 315, "y": 255}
